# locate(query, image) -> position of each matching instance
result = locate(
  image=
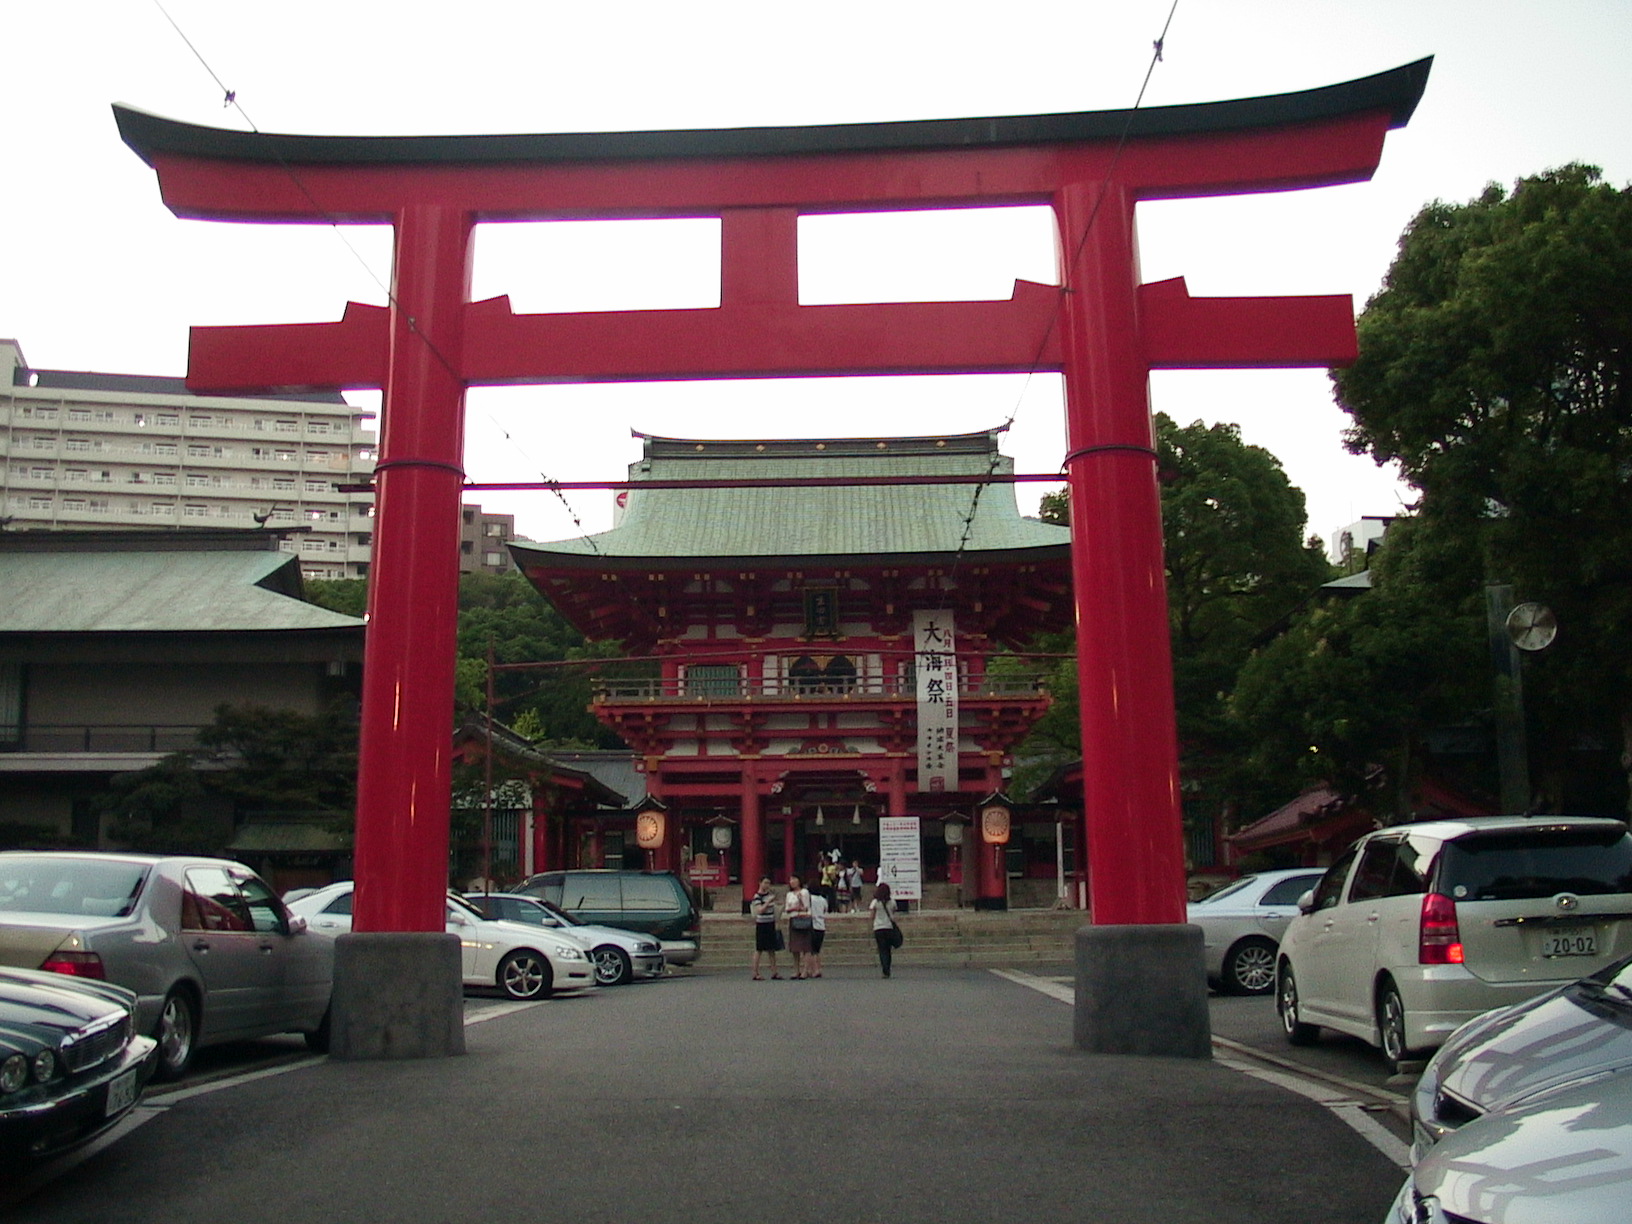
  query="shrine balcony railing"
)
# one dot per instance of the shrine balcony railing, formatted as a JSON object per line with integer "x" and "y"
{"x": 715, "y": 689}
{"x": 65, "y": 738}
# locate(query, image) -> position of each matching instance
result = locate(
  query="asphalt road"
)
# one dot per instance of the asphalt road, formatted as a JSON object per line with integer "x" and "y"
{"x": 944, "y": 1096}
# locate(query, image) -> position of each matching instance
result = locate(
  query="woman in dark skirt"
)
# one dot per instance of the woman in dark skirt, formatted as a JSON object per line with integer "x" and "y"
{"x": 763, "y": 909}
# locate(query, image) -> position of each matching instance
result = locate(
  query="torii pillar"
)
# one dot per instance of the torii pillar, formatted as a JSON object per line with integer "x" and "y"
{"x": 1140, "y": 980}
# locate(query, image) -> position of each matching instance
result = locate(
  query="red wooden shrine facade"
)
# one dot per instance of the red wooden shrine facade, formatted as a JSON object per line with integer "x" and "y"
{"x": 781, "y": 701}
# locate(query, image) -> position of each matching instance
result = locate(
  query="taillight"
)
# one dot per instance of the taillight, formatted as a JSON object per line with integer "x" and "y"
{"x": 75, "y": 964}
{"x": 1439, "y": 941}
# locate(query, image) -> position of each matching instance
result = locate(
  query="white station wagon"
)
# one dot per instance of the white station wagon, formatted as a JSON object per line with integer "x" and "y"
{"x": 1419, "y": 928}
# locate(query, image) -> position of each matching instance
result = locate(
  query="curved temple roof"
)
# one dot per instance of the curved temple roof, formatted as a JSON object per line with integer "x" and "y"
{"x": 1396, "y": 92}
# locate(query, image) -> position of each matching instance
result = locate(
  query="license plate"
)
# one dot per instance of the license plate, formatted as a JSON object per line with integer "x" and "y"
{"x": 1571, "y": 943}
{"x": 121, "y": 1094}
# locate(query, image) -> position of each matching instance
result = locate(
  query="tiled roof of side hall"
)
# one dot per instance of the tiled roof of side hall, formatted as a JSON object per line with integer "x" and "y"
{"x": 807, "y": 521}
{"x": 154, "y": 592}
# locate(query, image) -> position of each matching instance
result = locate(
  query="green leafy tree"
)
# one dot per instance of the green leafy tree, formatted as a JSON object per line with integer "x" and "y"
{"x": 250, "y": 760}
{"x": 1237, "y": 564}
{"x": 1350, "y": 692}
{"x": 1494, "y": 369}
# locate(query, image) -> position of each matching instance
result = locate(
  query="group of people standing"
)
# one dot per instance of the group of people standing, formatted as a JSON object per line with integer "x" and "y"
{"x": 806, "y": 911}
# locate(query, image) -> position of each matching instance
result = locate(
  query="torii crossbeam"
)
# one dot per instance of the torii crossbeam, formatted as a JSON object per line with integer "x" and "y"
{"x": 1102, "y": 329}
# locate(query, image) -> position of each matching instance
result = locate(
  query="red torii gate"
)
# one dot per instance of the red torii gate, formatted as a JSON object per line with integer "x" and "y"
{"x": 1102, "y": 329}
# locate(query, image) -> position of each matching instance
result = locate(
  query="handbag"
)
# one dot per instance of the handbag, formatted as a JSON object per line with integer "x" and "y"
{"x": 896, "y": 938}
{"x": 800, "y": 922}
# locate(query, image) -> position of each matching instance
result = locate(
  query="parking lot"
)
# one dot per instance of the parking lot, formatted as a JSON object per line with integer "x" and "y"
{"x": 940, "y": 1095}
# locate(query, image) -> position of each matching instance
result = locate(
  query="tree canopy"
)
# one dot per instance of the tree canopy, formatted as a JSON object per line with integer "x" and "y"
{"x": 1494, "y": 368}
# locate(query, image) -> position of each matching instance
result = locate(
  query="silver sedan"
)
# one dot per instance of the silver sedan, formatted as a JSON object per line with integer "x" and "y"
{"x": 620, "y": 956}
{"x": 208, "y": 948}
{"x": 1241, "y": 926}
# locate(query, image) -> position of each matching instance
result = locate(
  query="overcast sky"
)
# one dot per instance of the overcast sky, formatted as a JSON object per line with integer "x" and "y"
{"x": 97, "y": 275}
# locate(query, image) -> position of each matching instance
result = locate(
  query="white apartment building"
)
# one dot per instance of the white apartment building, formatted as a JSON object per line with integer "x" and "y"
{"x": 82, "y": 450}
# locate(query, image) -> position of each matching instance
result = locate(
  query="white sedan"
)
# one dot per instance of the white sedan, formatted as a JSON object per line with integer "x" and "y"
{"x": 1241, "y": 926}
{"x": 526, "y": 962}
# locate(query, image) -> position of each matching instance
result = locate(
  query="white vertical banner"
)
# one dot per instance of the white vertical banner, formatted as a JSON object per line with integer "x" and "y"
{"x": 936, "y": 663}
{"x": 900, "y": 862}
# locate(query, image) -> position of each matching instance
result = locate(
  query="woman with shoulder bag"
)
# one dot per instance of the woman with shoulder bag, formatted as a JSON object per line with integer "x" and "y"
{"x": 886, "y": 934}
{"x": 796, "y": 905}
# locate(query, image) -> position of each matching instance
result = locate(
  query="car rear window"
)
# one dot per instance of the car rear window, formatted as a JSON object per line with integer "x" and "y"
{"x": 44, "y": 885}
{"x": 1532, "y": 863}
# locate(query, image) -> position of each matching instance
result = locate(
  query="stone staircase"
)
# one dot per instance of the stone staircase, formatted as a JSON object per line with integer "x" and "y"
{"x": 945, "y": 938}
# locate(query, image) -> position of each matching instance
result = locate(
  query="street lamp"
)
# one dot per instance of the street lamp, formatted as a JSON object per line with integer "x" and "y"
{"x": 996, "y": 813}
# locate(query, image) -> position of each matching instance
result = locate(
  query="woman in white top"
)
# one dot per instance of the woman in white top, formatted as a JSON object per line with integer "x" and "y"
{"x": 796, "y": 905}
{"x": 883, "y": 925}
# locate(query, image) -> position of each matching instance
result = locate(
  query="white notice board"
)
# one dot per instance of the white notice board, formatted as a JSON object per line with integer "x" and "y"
{"x": 900, "y": 864}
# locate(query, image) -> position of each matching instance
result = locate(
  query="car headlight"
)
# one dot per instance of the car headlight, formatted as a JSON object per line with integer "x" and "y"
{"x": 13, "y": 1073}
{"x": 571, "y": 954}
{"x": 45, "y": 1064}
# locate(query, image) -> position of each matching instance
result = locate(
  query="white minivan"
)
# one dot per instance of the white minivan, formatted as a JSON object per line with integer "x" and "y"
{"x": 1421, "y": 927}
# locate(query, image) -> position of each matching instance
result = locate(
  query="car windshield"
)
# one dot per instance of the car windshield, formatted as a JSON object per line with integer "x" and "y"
{"x": 1610, "y": 987}
{"x": 41, "y": 884}
{"x": 1229, "y": 890}
{"x": 466, "y": 908}
{"x": 557, "y": 912}
{"x": 1523, "y": 864}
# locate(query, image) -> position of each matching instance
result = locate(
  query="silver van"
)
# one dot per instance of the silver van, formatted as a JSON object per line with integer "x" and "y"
{"x": 1419, "y": 928}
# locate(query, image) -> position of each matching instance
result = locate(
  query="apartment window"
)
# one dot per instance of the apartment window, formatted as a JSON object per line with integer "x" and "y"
{"x": 317, "y": 456}
{"x": 102, "y": 414}
{"x": 164, "y": 478}
{"x": 164, "y": 509}
{"x": 493, "y": 559}
{"x": 46, "y": 442}
{"x": 316, "y": 516}
{"x": 317, "y": 427}
{"x": 198, "y": 452}
{"x": 311, "y": 546}
{"x": 284, "y": 456}
{"x": 39, "y": 503}
{"x": 73, "y": 503}
{"x": 317, "y": 486}
{"x": 496, "y": 530}
{"x": 169, "y": 418}
{"x": 41, "y": 414}
{"x": 41, "y": 473}
{"x": 283, "y": 482}
{"x": 197, "y": 480}
{"x": 79, "y": 414}
{"x": 75, "y": 474}
{"x": 97, "y": 505}
{"x": 102, "y": 477}
{"x": 164, "y": 448}
{"x": 286, "y": 427}
{"x": 194, "y": 510}
{"x": 200, "y": 422}
{"x": 283, "y": 516}
{"x": 287, "y": 546}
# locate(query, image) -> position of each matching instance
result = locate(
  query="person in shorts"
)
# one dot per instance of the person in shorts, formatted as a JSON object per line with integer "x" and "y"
{"x": 818, "y": 933}
{"x": 766, "y": 935}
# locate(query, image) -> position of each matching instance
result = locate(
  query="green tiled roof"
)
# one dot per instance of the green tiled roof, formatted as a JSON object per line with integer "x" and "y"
{"x": 816, "y": 521}
{"x": 114, "y": 592}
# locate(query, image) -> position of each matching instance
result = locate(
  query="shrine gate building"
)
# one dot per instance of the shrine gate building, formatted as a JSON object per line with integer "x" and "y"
{"x": 781, "y": 700}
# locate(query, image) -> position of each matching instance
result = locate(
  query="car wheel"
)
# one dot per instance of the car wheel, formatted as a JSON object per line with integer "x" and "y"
{"x": 612, "y": 967}
{"x": 1391, "y": 1026}
{"x": 1249, "y": 969}
{"x": 1286, "y": 1003}
{"x": 525, "y": 975}
{"x": 317, "y": 1041}
{"x": 177, "y": 1034}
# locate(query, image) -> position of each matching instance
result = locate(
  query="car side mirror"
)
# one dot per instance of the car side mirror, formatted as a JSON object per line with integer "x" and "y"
{"x": 1306, "y": 902}
{"x": 297, "y": 924}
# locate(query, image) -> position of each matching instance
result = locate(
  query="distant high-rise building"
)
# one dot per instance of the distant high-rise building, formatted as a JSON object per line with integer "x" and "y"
{"x": 484, "y": 541}
{"x": 84, "y": 450}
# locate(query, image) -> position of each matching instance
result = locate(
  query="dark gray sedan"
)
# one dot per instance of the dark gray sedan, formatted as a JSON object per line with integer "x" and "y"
{"x": 207, "y": 947}
{"x": 71, "y": 1062}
